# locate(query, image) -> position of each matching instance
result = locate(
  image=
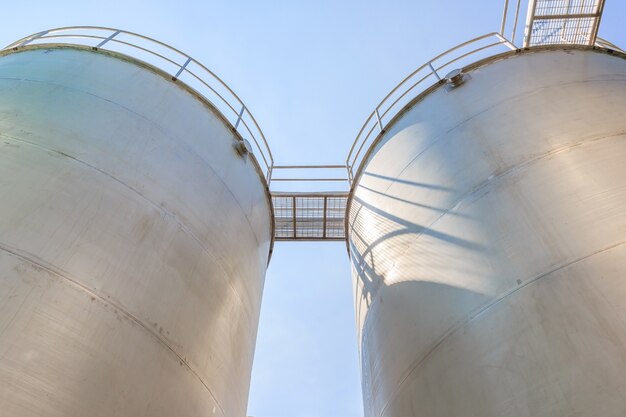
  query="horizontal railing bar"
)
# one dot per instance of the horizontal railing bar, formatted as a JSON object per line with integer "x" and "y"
{"x": 309, "y": 194}
{"x": 141, "y": 48}
{"x": 309, "y": 166}
{"x": 308, "y": 179}
{"x": 69, "y": 28}
{"x": 567, "y": 16}
{"x": 76, "y": 35}
{"x": 307, "y": 239}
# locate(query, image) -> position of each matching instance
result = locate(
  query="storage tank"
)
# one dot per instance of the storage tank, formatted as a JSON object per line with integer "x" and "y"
{"x": 487, "y": 232}
{"x": 135, "y": 233}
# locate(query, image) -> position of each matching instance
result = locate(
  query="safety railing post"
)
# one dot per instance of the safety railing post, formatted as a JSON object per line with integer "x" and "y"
{"x": 434, "y": 71}
{"x": 378, "y": 121}
{"x": 504, "y": 16}
{"x": 181, "y": 69}
{"x": 515, "y": 22}
{"x": 101, "y": 44}
{"x": 239, "y": 116}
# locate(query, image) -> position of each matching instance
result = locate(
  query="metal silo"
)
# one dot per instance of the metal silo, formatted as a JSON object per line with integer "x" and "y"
{"x": 488, "y": 237}
{"x": 135, "y": 230}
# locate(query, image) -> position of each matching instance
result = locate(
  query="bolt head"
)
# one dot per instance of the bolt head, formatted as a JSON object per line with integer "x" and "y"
{"x": 455, "y": 77}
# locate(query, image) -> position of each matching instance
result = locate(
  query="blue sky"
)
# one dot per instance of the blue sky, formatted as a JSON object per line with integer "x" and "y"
{"x": 310, "y": 72}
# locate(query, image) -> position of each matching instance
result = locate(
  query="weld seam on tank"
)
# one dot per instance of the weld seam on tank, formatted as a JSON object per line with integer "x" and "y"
{"x": 158, "y": 207}
{"x": 495, "y": 178}
{"x": 149, "y": 121}
{"x": 436, "y": 139}
{"x": 484, "y": 184}
{"x": 68, "y": 88}
{"x": 65, "y": 277}
{"x": 500, "y": 176}
{"x": 483, "y": 309}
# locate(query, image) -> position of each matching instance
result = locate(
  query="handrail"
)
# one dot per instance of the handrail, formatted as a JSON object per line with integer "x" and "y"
{"x": 207, "y": 83}
{"x": 408, "y": 89}
{"x": 603, "y": 43}
{"x": 302, "y": 174}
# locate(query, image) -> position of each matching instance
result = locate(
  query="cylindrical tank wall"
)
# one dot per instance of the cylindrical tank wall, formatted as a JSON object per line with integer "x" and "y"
{"x": 133, "y": 243}
{"x": 487, "y": 235}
